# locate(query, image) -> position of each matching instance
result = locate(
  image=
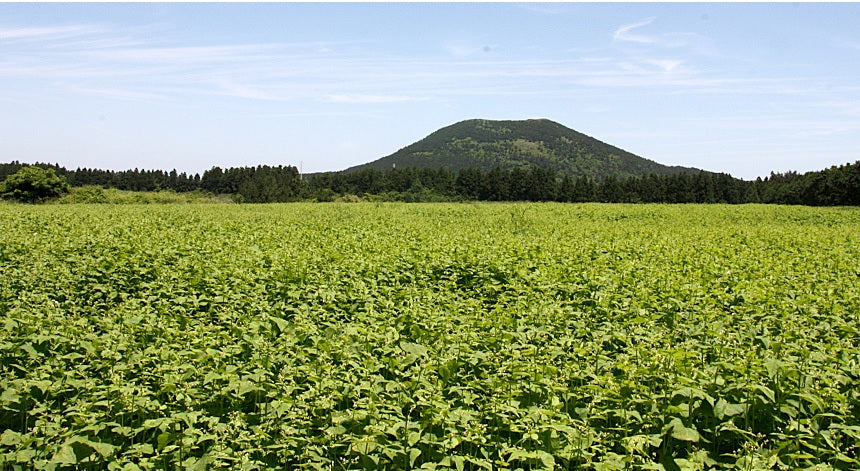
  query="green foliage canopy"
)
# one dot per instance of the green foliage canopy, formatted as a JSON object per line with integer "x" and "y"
{"x": 33, "y": 184}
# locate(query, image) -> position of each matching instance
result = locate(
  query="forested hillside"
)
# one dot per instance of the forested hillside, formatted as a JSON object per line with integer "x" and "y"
{"x": 509, "y": 145}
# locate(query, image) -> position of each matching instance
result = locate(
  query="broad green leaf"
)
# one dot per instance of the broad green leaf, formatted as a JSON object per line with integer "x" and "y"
{"x": 768, "y": 393}
{"x": 28, "y": 347}
{"x": 10, "y": 438}
{"x": 103, "y": 449}
{"x": 201, "y": 464}
{"x": 547, "y": 459}
{"x": 459, "y": 462}
{"x": 414, "y": 453}
{"x": 10, "y": 396}
{"x": 246, "y": 386}
{"x": 163, "y": 439}
{"x": 282, "y": 325}
{"x": 365, "y": 446}
{"x": 772, "y": 365}
{"x": 681, "y": 432}
{"x": 723, "y": 409}
{"x": 413, "y": 349}
{"x": 65, "y": 455}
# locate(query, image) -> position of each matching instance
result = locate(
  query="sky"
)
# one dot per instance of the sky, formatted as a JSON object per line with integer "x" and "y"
{"x": 740, "y": 88}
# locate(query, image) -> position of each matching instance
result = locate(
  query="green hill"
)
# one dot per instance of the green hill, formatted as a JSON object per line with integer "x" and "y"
{"x": 486, "y": 144}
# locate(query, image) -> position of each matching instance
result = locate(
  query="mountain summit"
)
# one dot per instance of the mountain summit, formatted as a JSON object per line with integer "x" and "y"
{"x": 486, "y": 145}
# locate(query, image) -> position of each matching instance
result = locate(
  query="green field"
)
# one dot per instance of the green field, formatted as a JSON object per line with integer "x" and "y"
{"x": 398, "y": 336}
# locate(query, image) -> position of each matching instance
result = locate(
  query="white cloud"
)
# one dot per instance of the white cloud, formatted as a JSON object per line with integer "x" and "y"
{"x": 623, "y": 33}
{"x": 114, "y": 64}
{"x": 666, "y": 65}
{"x": 671, "y": 39}
{"x": 46, "y": 32}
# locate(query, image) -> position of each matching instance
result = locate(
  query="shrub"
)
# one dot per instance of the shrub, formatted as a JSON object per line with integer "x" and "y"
{"x": 89, "y": 194}
{"x": 33, "y": 184}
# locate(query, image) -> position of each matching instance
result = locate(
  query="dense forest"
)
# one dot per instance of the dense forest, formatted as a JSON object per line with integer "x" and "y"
{"x": 830, "y": 187}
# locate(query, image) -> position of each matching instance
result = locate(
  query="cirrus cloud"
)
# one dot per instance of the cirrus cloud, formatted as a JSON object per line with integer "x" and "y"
{"x": 623, "y": 33}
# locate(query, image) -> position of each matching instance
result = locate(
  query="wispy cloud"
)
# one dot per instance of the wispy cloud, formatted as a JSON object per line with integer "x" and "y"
{"x": 116, "y": 64}
{"x": 46, "y": 32}
{"x": 666, "y": 65}
{"x": 674, "y": 39}
{"x": 623, "y": 33}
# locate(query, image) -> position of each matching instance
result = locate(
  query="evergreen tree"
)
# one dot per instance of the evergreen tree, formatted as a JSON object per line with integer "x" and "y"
{"x": 565, "y": 192}
{"x": 584, "y": 190}
{"x": 469, "y": 183}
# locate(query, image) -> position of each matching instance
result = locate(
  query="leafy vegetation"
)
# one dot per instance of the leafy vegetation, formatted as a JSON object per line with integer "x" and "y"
{"x": 33, "y": 185}
{"x": 92, "y": 194}
{"x": 439, "y": 336}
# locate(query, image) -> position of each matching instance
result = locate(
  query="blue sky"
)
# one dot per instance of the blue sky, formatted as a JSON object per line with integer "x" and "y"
{"x": 739, "y": 88}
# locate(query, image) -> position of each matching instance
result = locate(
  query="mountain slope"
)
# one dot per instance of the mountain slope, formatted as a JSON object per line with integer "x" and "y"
{"x": 486, "y": 144}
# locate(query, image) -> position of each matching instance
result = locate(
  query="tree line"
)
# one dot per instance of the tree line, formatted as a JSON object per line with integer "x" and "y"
{"x": 262, "y": 184}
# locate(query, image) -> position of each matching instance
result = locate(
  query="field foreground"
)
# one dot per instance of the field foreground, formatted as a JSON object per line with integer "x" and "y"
{"x": 461, "y": 336}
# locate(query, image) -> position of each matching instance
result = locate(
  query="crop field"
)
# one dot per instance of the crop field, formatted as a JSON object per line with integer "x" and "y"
{"x": 433, "y": 336}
